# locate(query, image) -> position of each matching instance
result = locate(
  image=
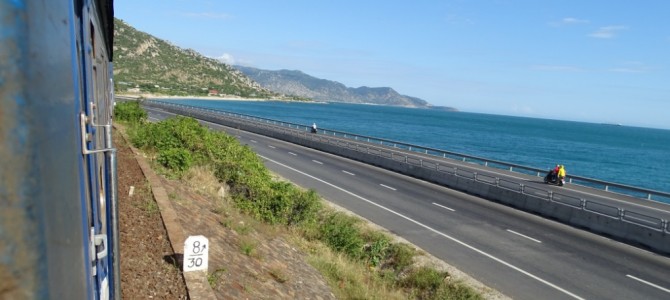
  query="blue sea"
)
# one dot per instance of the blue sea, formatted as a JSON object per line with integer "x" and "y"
{"x": 622, "y": 154}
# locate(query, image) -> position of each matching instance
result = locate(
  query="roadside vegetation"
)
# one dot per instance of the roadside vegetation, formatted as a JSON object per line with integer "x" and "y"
{"x": 358, "y": 262}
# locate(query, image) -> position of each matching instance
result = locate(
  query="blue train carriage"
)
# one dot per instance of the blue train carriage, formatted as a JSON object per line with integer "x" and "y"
{"x": 58, "y": 212}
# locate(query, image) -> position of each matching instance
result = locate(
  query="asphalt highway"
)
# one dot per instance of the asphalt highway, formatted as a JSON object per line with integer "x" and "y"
{"x": 519, "y": 254}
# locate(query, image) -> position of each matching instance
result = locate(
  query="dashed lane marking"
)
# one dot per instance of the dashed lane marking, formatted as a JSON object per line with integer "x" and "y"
{"x": 293, "y": 154}
{"x": 455, "y": 240}
{"x": 649, "y": 283}
{"x": 345, "y": 172}
{"x": 318, "y": 162}
{"x": 388, "y": 187}
{"x": 447, "y": 208}
{"x": 525, "y": 236}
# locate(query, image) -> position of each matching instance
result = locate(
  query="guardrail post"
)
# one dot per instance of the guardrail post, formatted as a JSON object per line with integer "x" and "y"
{"x": 551, "y": 195}
{"x": 620, "y": 213}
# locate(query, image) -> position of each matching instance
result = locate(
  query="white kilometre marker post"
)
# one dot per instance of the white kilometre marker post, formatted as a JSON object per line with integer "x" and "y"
{"x": 196, "y": 250}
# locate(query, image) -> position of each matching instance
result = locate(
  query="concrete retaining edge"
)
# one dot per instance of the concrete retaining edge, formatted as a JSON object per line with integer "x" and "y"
{"x": 615, "y": 228}
{"x": 196, "y": 282}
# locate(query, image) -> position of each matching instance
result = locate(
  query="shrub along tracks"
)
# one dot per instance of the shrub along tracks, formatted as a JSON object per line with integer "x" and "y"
{"x": 244, "y": 263}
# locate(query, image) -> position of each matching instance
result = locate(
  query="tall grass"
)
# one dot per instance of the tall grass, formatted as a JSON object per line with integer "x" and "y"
{"x": 360, "y": 263}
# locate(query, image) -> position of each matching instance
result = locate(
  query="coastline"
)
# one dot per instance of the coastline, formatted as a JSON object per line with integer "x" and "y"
{"x": 210, "y": 98}
{"x": 217, "y": 98}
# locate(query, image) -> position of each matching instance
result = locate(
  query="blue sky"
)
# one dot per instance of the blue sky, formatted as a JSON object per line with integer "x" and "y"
{"x": 589, "y": 60}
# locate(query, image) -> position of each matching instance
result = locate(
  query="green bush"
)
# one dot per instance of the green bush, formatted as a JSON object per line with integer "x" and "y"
{"x": 400, "y": 256}
{"x": 129, "y": 111}
{"x": 456, "y": 291}
{"x": 377, "y": 251}
{"x": 424, "y": 281}
{"x": 182, "y": 142}
{"x": 340, "y": 233}
{"x": 175, "y": 159}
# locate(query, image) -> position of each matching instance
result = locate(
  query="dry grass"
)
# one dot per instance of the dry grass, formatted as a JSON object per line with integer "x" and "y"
{"x": 202, "y": 180}
{"x": 278, "y": 272}
{"x": 350, "y": 279}
{"x": 347, "y": 278}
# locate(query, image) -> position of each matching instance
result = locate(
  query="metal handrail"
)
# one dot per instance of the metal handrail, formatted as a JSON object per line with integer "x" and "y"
{"x": 658, "y": 224}
{"x": 578, "y": 180}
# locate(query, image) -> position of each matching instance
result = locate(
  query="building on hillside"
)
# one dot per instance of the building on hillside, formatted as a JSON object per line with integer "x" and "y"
{"x": 213, "y": 92}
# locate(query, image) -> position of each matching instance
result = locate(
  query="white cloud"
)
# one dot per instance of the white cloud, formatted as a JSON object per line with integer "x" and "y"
{"x": 608, "y": 32}
{"x": 567, "y": 21}
{"x": 207, "y": 15}
{"x": 570, "y": 20}
{"x": 557, "y": 68}
{"x": 226, "y": 58}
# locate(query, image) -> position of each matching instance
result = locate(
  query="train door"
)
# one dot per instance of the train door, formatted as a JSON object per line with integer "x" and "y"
{"x": 96, "y": 147}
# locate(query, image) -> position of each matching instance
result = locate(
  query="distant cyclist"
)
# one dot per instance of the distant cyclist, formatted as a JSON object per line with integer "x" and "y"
{"x": 313, "y": 127}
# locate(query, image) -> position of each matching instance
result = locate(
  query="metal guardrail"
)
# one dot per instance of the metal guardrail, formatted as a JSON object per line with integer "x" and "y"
{"x": 385, "y": 151}
{"x": 573, "y": 179}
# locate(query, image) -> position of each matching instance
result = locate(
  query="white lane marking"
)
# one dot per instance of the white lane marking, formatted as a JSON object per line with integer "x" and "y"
{"x": 318, "y": 162}
{"x": 523, "y": 235}
{"x": 293, "y": 154}
{"x": 273, "y": 147}
{"x": 253, "y": 141}
{"x": 447, "y": 208}
{"x": 388, "y": 187}
{"x": 433, "y": 230}
{"x": 649, "y": 283}
{"x": 345, "y": 172}
{"x": 504, "y": 175}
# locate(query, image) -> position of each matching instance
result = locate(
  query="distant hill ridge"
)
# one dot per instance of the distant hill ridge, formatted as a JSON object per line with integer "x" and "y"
{"x": 146, "y": 64}
{"x": 293, "y": 82}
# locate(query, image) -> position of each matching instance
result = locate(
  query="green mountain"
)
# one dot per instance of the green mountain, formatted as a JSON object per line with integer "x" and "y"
{"x": 301, "y": 84}
{"x": 146, "y": 64}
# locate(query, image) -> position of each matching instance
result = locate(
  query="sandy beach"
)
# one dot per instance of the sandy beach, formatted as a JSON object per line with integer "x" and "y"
{"x": 218, "y": 98}
{"x": 210, "y": 98}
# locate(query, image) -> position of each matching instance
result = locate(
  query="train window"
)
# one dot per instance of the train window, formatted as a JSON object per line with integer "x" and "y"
{"x": 92, "y": 34}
